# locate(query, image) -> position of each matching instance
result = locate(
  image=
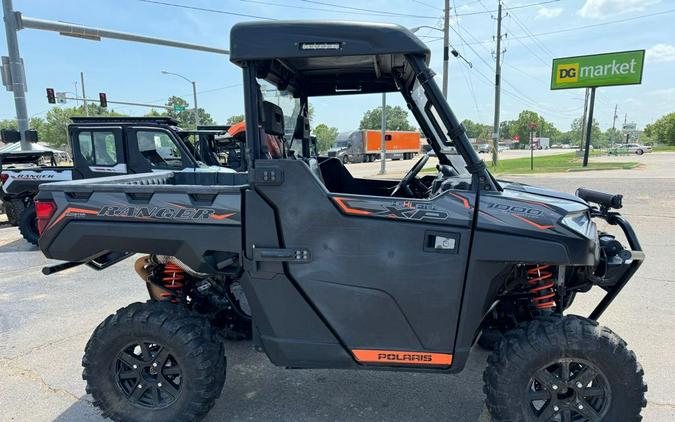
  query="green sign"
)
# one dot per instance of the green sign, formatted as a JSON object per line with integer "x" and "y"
{"x": 178, "y": 108}
{"x": 622, "y": 68}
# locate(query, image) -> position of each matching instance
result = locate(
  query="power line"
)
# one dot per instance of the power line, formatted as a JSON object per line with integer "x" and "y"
{"x": 205, "y": 9}
{"x": 428, "y": 5}
{"x": 339, "y": 6}
{"x": 317, "y": 9}
{"x": 530, "y": 34}
{"x": 522, "y": 6}
{"x": 577, "y": 28}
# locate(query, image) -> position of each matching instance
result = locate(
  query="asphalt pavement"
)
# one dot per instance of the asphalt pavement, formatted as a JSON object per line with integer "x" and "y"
{"x": 46, "y": 321}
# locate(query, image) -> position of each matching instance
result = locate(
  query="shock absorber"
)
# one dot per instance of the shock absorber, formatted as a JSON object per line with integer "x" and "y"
{"x": 172, "y": 279}
{"x": 540, "y": 279}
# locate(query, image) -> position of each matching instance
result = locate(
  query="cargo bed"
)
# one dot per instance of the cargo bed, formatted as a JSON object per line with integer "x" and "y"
{"x": 195, "y": 217}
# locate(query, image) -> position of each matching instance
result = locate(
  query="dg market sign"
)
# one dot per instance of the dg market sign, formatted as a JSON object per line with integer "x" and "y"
{"x": 622, "y": 68}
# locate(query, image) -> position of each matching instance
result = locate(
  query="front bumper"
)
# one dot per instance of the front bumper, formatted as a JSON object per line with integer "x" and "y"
{"x": 632, "y": 258}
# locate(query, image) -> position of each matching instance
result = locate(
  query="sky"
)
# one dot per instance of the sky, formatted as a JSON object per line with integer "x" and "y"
{"x": 535, "y": 31}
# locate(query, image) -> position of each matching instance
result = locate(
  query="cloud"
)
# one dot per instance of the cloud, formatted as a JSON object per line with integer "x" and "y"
{"x": 604, "y": 8}
{"x": 661, "y": 53}
{"x": 547, "y": 13}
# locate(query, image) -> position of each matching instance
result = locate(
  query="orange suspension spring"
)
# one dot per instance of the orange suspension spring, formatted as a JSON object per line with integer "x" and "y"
{"x": 172, "y": 278}
{"x": 543, "y": 286}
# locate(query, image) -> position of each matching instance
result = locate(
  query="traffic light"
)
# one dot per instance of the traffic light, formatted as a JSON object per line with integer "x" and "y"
{"x": 102, "y": 99}
{"x": 51, "y": 98}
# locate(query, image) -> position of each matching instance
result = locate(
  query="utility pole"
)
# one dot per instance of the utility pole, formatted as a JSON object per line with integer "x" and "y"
{"x": 589, "y": 127}
{"x": 383, "y": 142}
{"x": 611, "y": 141}
{"x": 77, "y": 103}
{"x": 498, "y": 76}
{"x": 446, "y": 47}
{"x": 84, "y": 96}
{"x": 16, "y": 72}
{"x": 583, "y": 121}
{"x": 194, "y": 94}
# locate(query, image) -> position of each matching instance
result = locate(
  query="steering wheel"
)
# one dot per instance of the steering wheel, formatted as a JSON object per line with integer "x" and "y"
{"x": 410, "y": 176}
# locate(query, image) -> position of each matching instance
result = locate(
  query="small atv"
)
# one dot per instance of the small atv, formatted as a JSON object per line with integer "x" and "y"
{"x": 325, "y": 270}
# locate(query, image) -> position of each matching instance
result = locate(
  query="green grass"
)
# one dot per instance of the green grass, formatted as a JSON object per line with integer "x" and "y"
{"x": 550, "y": 164}
{"x": 664, "y": 148}
{"x": 553, "y": 164}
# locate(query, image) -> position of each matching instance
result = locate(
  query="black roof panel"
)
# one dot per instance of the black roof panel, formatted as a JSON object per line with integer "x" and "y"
{"x": 302, "y": 39}
{"x": 120, "y": 120}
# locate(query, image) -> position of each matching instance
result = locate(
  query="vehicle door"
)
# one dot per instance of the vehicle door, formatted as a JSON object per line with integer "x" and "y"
{"x": 154, "y": 148}
{"x": 385, "y": 273}
{"x": 98, "y": 151}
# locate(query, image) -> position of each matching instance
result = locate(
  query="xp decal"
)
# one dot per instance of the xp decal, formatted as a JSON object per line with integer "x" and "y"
{"x": 426, "y": 211}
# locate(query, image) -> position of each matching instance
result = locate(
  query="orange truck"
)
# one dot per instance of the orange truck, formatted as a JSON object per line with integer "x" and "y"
{"x": 365, "y": 145}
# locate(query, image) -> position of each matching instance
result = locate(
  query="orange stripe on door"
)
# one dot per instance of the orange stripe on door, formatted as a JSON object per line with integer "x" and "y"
{"x": 402, "y": 357}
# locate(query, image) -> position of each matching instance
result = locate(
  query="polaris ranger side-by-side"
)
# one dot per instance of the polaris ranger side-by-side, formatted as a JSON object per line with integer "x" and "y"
{"x": 103, "y": 146}
{"x": 325, "y": 270}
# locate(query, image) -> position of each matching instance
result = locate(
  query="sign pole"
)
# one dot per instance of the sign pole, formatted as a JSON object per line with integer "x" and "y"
{"x": 383, "y": 143}
{"x": 589, "y": 127}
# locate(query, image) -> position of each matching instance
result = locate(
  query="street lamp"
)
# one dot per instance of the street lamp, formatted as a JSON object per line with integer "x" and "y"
{"x": 194, "y": 93}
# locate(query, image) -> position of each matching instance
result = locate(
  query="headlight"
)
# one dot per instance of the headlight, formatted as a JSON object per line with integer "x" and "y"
{"x": 579, "y": 222}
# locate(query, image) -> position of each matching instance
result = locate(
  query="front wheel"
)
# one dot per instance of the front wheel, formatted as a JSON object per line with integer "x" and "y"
{"x": 564, "y": 369}
{"x": 345, "y": 159}
{"x": 154, "y": 361}
{"x": 639, "y": 152}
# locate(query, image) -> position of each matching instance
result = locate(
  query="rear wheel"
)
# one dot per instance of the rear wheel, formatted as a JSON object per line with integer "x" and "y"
{"x": 13, "y": 209}
{"x": 154, "y": 361}
{"x": 28, "y": 225}
{"x": 345, "y": 159}
{"x": 639, "y": 152}
{"x": 564, "y": 369}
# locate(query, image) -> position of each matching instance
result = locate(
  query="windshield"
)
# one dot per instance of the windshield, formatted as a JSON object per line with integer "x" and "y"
{"x": 437, "y": 128}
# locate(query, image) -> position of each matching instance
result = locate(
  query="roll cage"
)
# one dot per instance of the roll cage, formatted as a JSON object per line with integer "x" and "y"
{"x": 310, "y": 59}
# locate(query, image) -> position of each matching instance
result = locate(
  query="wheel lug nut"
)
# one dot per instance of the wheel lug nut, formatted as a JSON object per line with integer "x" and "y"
{"x": 135, "y": 366}
{"x": 140, "y": 386}
{"x": 579, "y": 385}
{"x": 154, "y": 364}
{"x": 556, "y": 408}
{"x": 159, "y": 384}
{"x": 555, "y": 387}
{"x": 581, "y": 407}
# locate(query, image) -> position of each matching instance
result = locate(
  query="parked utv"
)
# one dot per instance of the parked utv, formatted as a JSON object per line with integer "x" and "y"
{"x": 325, "y": 270}
{"x": 103, "y": 146}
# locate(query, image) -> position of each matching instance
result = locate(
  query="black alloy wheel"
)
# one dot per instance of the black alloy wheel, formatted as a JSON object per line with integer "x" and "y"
{"x": 148, "y": 375}
{"x": 569, "y": 390}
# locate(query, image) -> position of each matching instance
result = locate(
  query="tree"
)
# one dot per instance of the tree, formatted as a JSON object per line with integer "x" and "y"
{"x": 521, "y": 128}
{"x": 596, "y": 132}
{"x": 397, "y": 119}
{"x": 235, "y": 119}
{"x": 477, "y": 130}
{"x": 53, "y": 130}
{"x": 186, "y": 118}
{"x": 325, "y": 136}
{"x": 662, "y": 130}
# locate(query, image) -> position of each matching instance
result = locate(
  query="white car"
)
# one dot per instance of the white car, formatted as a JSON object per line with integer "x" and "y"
{"x": 638, "y": 149}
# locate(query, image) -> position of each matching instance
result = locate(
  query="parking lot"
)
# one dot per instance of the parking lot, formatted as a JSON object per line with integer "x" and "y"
{"x": 46, "y": 321}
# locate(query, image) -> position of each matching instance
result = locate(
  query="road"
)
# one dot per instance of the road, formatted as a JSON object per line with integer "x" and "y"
{"x": 46, "y": 321}
{"x": 401, "y": 166}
